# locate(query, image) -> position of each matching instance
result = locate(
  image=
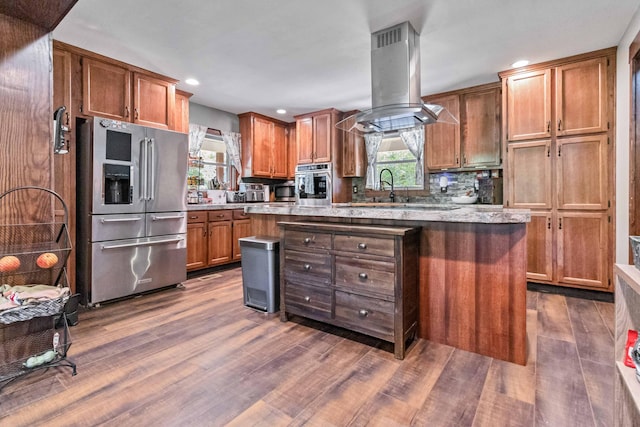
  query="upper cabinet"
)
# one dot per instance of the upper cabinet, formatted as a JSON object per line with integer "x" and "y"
{"x": 181, "y": 112}
{"x": 264, "y": 146}
{"x": 62, "y": 84}
{"x": 292, "y": 150}
{"x": 107, "y": 91}
{"x": 316, "y": 133}
{"x": 354, "y": 153}
{"x": 475, "y": 141}
{"x": 580, "y": 105}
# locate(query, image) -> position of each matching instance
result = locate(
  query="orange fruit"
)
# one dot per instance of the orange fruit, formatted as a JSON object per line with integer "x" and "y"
{"x": 47, "y": 260}
{"x": 9, "y": 263}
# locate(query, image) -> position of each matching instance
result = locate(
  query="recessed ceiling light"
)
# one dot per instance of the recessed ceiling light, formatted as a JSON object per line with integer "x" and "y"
{"x": 520, "y": 63}
{"x": 192, "y": 82}
{"x": 281, "y": 111}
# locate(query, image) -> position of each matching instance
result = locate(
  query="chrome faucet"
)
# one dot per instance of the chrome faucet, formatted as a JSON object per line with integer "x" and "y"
{"x": 392, "y": 196}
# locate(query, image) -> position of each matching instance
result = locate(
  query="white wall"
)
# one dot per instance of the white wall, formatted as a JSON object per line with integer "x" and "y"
{"x": 213, "y": 118}
{"x": 623, "y": 88}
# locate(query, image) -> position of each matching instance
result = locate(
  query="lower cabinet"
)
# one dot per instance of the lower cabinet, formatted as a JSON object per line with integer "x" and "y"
{"x": 212, "y": 237}
{"x": 357, "y": 277}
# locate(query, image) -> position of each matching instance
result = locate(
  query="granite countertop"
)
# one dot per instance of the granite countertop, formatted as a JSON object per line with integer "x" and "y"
{"x": 212, "y": 207}
{"x": 487, "y": 214}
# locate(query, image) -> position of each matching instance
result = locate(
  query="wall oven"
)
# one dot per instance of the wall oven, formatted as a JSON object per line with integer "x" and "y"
{"x": 313, "y": 184}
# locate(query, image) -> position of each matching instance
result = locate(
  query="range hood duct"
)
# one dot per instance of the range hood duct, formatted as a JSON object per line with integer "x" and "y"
{"x": 395, "y": 86}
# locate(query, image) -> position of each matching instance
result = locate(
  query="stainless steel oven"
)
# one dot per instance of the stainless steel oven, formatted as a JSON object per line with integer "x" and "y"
{"x": 313, "y": 184}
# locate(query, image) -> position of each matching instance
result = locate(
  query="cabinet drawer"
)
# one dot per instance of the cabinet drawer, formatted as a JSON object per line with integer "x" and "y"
{"x": 311, "y": 301}
{"x": 305, "y": 239}
{"x": 200, "y": 216}
{"x": 306, "y": 268}
{"x": 365, "y": 245}
{"x": 221, "y": 215}
{"x": 370, "y": 316}
{"x": 363, "y": 274}
{"x": 240, "y": 214}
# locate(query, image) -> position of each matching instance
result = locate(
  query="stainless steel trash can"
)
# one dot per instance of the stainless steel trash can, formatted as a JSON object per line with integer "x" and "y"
{"x": 261, "y": 272}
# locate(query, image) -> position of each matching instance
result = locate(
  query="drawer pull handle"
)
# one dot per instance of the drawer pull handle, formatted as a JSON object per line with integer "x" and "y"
{"x": 362, "y": 246}
{"x": 307, "y": 267}
{"x": 363, "y": 276}
{"x": 307, "y": 299}
{"x": 193, "y": 217}
{"x": 307, "y": 240}
{"x": 363, "y": 313}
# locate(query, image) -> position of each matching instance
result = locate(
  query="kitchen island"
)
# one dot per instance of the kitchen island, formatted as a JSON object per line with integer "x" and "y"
{"x": 471, "y": 267}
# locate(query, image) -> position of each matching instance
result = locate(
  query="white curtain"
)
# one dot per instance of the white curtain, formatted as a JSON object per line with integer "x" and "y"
{"x": 372, "y": 143}
{"x": 196, "y": 136}
{"x": 232, "y": 140}
{"x": 414, "y": 140}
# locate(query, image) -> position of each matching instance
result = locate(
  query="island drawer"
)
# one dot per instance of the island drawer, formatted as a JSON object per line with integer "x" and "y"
{"x": 307, "y": 268}
{"x": 370, "y": 316}
{"x": 221, "y": 215}
{"x": 307, "y": 239}
{"x": 364, "y": 245}
{"x": 308, "y": 301}
{"x": 364, "y": 274}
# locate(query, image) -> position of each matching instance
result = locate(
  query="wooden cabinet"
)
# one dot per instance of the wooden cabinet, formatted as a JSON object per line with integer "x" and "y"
{"x": 475, "y": 141}
{"x": 264, "y": 146}
{"x": 212, "y": 237}
{"x": 181, "y": 116}
{"x": 115, "y": 91}
{"x": 356, "y": 277}
{"x": 292, "y": 150}
{"x": 354, "y": 153}
{"x": 567, "y": 174}
{"x": 316, "y": 133}
{"x": 62, "y": 84}
{"x": 442, "y": 140}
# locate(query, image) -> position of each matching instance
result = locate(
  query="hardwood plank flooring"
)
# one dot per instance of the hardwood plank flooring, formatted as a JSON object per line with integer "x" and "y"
{"x": 196, "y": 356}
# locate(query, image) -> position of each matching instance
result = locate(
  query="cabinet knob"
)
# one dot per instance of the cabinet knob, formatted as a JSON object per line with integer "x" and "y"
{"x": 307, "y": 267}
{"x": 307, "y": 240}
{"x": 362, "y": 246}
{"x": 307, "y": 299}
{"x": 363, "y": 276}
{"x": 363, "y": 313}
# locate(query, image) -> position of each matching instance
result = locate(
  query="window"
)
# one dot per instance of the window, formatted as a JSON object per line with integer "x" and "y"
{"x": 394, "y": 155}
{"x": 215, "y": 166}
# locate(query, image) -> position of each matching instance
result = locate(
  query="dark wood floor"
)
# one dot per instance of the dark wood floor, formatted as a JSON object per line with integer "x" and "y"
{"x": 198, "y": 357}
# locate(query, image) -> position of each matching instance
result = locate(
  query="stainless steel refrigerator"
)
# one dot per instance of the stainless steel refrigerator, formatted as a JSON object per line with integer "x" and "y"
{"x": 131, "y": 198}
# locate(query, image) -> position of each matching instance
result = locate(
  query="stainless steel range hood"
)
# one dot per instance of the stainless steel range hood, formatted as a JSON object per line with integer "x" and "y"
{"x": 395, "y": 86}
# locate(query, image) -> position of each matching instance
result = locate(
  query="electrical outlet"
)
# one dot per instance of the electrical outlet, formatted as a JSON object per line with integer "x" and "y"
{"x": 355, "y": 189}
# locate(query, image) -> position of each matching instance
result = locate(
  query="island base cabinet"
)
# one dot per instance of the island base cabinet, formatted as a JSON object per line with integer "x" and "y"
{"x": 356, "y": 277}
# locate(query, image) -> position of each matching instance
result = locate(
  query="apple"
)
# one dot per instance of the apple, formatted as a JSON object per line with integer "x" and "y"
{"x": 47, "y": 260}
{"x": 9, "y": 263}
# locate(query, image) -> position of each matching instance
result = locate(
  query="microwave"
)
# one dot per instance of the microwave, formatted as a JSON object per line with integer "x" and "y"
{"x": 285, "y": 192}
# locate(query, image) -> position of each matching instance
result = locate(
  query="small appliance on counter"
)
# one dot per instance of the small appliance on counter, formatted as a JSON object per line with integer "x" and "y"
{"x": 285, "y": 192}
{"x": 490, "y": 191}
{"x": 253, "y": 192}
{"x": 235, "y": 197}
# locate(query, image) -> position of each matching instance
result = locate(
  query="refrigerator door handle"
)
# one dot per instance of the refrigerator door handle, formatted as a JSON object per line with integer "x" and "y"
{"x": 133, "y": 245}
{"x": 160, "y": 218}
{"x": 104, "y": 220}
{"x": 152, "y": 169}
{"x": 143, "y": 169}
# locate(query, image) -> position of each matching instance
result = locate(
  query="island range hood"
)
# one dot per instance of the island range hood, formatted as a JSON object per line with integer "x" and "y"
{"x": 395, "y": 86}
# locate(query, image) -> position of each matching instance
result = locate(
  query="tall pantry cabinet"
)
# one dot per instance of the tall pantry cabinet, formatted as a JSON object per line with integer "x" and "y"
{"x": 559, "y": 146}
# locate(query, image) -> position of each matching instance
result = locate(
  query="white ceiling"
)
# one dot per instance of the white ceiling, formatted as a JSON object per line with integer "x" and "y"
{"x": 307, "y": 55}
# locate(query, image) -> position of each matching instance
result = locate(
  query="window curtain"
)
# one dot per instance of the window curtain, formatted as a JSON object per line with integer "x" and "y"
{"x": 232, "y": 141}
{"x": 196, "y": 137}
{"x": 414, "y": 140}
{"x": 372, "y": 143}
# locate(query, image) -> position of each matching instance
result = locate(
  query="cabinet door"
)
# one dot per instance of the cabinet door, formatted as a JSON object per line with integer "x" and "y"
{"x": 354, "y": 156}
{"x": 582, "y": 249}
{"x": 196, "y": 245}
{"x": 181, "y": 113}
{"x": 481, "y": 128}
{"x": 581, "y": 172}
{"x": 62, "y": 84}
{"x": 581, "y": 97}
{"x": 529, "y": 105}
{"x": 442, "y": 140}
{"x": 292, "y": 151}
{"x": 106, "y": 90}
{"x": 280, "y": 166}
{"x": 322, "y": 132}
{"x": 241, "y": 228}
{"x": 540, "y": 246}
{"x": 262, "y": 147}
{"x": 304, "y": 137}
{"x": 220, "y": 235}
{"x": 153, "y": 101}
{"x": 529, "y": 175}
